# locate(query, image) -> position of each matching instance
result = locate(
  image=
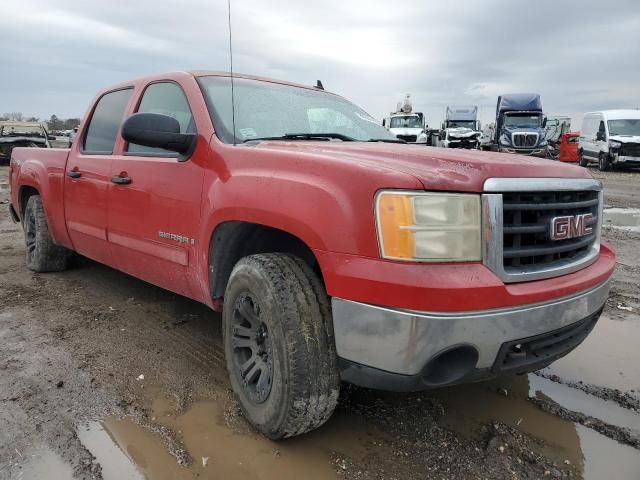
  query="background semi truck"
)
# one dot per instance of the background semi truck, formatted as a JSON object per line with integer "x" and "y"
{"x": 461, "y": 128}
{"x": 406, "y": 124}
{"x": 519, "y": 125}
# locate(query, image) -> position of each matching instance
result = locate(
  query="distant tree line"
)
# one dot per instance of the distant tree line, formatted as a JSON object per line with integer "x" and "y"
{"x": 54, "y": 123}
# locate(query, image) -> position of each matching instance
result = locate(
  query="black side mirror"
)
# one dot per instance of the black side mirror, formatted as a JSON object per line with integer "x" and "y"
{"x": 600, "y": 135}
{"x": 158, "y": 131}
{"x": 544, "y": 122}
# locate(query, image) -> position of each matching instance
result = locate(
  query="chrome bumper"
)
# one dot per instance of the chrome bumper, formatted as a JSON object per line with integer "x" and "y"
{"x": 403, "y": 342}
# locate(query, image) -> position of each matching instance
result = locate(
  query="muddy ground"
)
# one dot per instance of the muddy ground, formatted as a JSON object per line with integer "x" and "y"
{"x": 105, "y": 376}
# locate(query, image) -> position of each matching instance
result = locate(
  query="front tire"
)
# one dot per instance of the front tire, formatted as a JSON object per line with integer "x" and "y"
{"x": 42, "y": 254}
{"x": 279, "y": 345}
{"x": 582, "y": 160}
{"x": 603, "y": 162}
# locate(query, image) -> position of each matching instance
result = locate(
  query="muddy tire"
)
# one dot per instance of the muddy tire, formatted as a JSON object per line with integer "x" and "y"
{"x": 279, "y": 345}
{"x": 582, "y": 160}
{"x": 42, "y": 254}
{"x": 603, "y": 162}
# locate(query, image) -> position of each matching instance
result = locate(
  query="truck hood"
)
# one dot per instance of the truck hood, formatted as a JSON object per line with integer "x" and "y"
{"x": 435, "y": 168}
{"x": 625, "y": 138}
{"x": 461, "y": 132}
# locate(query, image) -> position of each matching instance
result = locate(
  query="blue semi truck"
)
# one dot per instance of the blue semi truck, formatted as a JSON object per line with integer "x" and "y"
{"x": 519, "y": 125}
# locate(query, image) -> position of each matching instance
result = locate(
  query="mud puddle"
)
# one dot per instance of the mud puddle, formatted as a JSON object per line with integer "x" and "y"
{"x": 627, "y": 219}
{"x": 606, "y": 357}
{"x": 506, "y": 401}
{"x": 219, "y": 445}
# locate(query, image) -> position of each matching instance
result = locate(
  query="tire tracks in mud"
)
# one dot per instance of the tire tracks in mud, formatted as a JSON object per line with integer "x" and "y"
{"x": 625, "y": 400}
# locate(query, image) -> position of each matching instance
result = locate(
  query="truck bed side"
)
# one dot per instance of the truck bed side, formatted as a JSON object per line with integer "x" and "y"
{"x": 41, "y": 171}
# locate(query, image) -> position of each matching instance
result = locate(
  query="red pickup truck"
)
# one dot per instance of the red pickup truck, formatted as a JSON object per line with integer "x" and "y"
{"x": 333, "y": 251}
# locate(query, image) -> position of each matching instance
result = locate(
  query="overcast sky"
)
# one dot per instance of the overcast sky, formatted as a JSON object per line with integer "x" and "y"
{"x": 579, "y": 55}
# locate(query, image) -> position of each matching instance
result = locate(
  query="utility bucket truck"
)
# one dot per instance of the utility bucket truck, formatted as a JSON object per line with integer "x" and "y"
{"x": 406, "y": 124}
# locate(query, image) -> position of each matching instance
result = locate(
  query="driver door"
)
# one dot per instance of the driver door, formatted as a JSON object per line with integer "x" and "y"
{"x": 154, "y": 200}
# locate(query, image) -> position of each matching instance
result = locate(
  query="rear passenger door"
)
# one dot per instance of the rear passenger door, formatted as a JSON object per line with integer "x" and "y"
{"x": 154, "y": 218}
{"x": 88, "y": 177}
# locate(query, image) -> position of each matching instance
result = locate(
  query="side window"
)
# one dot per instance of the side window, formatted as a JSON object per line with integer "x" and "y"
{"x": 168, "y": 99}
{"x": 105, "y": 122}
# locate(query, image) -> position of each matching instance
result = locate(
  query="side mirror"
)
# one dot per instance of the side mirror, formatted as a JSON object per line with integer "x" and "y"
{"x": 158, "y": 131}
{"x": 544, "y": 122}
{"x": 600, "y": 135}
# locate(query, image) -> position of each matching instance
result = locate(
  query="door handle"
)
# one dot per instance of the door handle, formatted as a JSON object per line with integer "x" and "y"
{"x": 74, "y": 174}
{"x": 121, "y": 180}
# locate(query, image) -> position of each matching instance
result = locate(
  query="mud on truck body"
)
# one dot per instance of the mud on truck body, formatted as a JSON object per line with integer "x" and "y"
{"x": 332, "y": 253}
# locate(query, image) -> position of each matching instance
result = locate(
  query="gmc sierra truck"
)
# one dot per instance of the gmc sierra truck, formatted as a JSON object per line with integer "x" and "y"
{"x": 333, "y": 253}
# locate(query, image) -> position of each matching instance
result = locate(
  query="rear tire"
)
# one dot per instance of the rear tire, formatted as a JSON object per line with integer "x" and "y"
{"x": 279, "y": 345}
{"x": 42, "y": 254}
{"x": 582, "y": 160}
{"x": 603, "y": 162}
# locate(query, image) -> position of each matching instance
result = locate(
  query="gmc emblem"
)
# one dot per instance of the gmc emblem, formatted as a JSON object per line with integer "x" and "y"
{"x": 564, "y": 228}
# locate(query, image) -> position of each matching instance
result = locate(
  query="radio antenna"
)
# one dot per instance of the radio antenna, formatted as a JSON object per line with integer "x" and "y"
{"x": 233, "y": 106}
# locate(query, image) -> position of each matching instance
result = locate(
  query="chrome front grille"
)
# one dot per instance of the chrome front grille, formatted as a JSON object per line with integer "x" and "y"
{"x": 518, "y": 215}
{"x": 524, "y": 140}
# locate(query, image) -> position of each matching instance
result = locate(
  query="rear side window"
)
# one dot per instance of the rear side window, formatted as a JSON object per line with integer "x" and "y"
{"x": 105, "y": 122}
{"x": 165, "y": 98}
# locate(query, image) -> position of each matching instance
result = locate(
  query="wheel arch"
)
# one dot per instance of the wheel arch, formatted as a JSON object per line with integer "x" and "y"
{"x": 232, "y": 240}
{"x": 24, "y": 193}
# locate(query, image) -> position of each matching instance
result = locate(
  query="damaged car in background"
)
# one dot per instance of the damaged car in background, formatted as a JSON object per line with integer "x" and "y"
{"x": 461, "y": 128}
{"x": 21, "y": 134}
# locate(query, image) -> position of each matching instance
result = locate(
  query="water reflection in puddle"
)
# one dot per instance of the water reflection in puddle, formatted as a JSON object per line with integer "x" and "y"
{"x": 608, "y": 357}
{"x": 44, "y": 464}
{"x": 623, "y": 218}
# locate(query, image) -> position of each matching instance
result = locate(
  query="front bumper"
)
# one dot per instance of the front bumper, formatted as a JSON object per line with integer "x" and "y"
{"x": 403, "y": 350}
{"x": 523, "y": 151}
{"x": 625, "y": 160}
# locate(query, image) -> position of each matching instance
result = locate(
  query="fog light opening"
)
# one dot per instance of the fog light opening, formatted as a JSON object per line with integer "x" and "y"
{"x": 450, "y": 366}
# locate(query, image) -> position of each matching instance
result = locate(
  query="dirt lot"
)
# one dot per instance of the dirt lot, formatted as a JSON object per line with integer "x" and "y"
{"x": 105, "y": 376}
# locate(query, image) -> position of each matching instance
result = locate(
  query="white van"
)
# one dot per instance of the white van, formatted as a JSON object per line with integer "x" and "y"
{"x": 610, "y": 137}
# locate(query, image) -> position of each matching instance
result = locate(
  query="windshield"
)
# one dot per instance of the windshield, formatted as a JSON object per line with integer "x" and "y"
{"x": 408, "y": 121}
{"x": 21, "y": 131}
{"x": 462, "y": 124}
{"x": 522, "y": 120}
{"x": 624, "y": 127}
{"x": 265, "y": 109}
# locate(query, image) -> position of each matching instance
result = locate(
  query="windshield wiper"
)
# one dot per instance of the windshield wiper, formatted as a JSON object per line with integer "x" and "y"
{"x": 305, "y": 136}
{"x": 387, "y": 140}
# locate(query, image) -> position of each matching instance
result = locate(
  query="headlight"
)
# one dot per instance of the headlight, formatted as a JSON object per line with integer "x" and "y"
{"x": 504, "y": 140}
{"x": 614, "y": 144}
{"x": 543, "y": 143}
{"x": 428, "y": 227}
